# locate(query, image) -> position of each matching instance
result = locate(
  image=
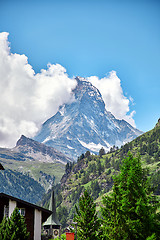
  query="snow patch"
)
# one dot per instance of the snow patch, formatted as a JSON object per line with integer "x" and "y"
{"x": 92, "y": 146}
{"x": 91, "y": 94}
{"x": 62, "y": 111}
{"x": 68, "y": 138}
{"x": 108, "y": 145}
{"x": 69, "y": 147}
{"x": 47, "y": 139}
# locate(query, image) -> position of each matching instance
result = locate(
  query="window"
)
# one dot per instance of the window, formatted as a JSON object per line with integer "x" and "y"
{"x": 22, "y": 211}
{"x": 6, "y": 211}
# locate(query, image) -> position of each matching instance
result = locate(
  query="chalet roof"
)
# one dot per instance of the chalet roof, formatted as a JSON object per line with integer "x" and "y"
{"x": 1, "y": 167}
{"x": 52, "y": 220}
{"x": 45, "y": 212}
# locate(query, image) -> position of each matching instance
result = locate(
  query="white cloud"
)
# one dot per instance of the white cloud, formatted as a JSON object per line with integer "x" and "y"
{"x": 112, "y": 93}
{"x": 28, "y": 99}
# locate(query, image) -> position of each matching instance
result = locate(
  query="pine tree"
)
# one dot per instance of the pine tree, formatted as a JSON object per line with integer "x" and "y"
{"x": 3, "y": 228}
{"x": 86, "y": 218}
{"x": 130, "y": 210}
{"x": 102, "y": 152}
{"x": 15, "y": 227}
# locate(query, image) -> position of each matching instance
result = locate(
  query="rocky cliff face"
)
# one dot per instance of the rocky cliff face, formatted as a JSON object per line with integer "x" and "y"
{"x": 85, "y": 124}
{"x": 39, "y": 151}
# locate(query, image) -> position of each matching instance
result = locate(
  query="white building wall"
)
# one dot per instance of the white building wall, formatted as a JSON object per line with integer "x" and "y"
{"x": 12, "y": 206}
{"x": 37, "y": 224}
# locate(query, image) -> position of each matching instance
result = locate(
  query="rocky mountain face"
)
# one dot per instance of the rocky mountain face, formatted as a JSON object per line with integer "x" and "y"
{"x": 39, "y": 151}
{"x": 85, "y": 125}
{"x": 30, "y": 169}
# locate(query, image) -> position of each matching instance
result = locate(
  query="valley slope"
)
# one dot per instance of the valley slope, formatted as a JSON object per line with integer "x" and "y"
{"x": 95, "y": 172}
{"x": 31, "y": 168}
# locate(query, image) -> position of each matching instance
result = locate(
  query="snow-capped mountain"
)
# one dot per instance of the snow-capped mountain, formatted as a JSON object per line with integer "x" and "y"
{"x": 85, "y": 124}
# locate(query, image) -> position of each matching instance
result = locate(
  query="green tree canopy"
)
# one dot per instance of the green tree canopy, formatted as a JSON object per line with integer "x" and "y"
{"x": 129, "y": 212}
{"x": 14, "y": 228}
{"x": 102, "y": 152}
{"x": 3, "y": 228}
{"x": 86, "y": 218}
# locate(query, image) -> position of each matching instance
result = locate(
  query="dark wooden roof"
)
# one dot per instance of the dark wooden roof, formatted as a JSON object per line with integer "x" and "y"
{"x": 1, "y": 167}
{"x": 45, "y": 212}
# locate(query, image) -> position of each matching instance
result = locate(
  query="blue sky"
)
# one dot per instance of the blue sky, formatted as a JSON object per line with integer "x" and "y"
{"x": 93, "y": 38}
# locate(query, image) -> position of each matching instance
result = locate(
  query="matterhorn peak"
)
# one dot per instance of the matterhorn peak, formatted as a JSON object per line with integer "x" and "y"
{"x": 84, "y": 124}
{"x": 80, "y": 78}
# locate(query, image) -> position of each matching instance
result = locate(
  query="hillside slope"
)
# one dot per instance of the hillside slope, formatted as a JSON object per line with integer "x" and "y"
{"x": 94, "y": 172}
{"x": 32, "y": 166}
{"x": 21, "y": 186}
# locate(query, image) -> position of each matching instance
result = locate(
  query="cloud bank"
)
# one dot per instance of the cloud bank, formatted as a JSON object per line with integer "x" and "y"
{"x": 28, "y": 99}
{"x": 112, "y": 93}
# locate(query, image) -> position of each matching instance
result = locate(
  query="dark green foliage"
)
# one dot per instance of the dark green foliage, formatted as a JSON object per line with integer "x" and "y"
{"x": 85, "y": 178}
{"x": 107, "y": 162}
{"x": 99, "y": 167}
{"x": 76, "y": 194}
{"x": 147, "y": 143}
{"x": 86, "y": 218}
{"x": 81, "y": 157}
{"x": 59, "y": 199}
{"x": 47, "y": 177}
{"x": 115, "y": 164}
{"x": 152, "y": 237}
{"x": 102, "y": 152}
{"x": 87, "y": 154}
{"x": 143, "y": 149}
{"x": 62, "y": 211}
{"x": 95, "y": 174}
{"x": 62, "y": 237}
{"x": 62, "y": 214}
{"x": 113, "y": 149}
{"x": 13, "y": 182}
{"x": 108, "y": 171}
{"x": 14, "y": 228}
{"x": 3, "y": 225}
{"x": 95, "y": 189}
{"x": 69, "y": 167}
{"x": 92, "y": 167}
{"x": 156, "y": 182}
{"x": 125, "y": 148}
{"x": 130, "y": 211}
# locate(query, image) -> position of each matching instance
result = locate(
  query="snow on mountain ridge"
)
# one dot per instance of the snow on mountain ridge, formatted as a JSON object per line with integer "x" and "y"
{"x": 85, "y": 124}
